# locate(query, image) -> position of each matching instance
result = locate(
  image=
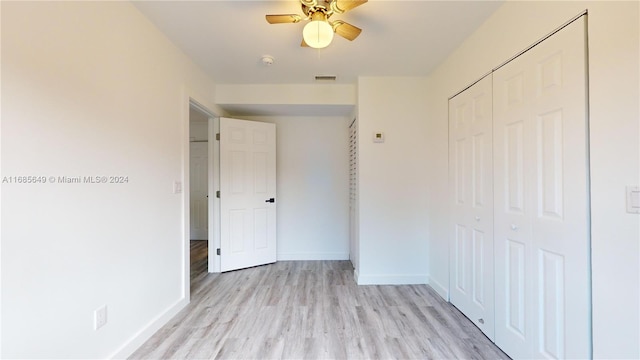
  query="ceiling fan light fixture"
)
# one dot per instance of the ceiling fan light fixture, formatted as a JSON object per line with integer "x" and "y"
{"x": 317, "y": 34}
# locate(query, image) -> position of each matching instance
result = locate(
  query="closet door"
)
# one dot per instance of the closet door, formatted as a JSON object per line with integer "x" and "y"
{"x": 353, "y": 188}
{"x": 542, "y": 237}
{"x": 470, "y": 180}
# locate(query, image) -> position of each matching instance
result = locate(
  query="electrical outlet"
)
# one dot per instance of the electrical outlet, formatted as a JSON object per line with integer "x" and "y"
{"x": 100, "y": 317}
{"x": 633, "y": 199}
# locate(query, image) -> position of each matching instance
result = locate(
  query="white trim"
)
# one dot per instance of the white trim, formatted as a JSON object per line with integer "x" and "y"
{"x": 312, "y": 256}
{"x": 213, "y": 186}
{"x": 439, "y": 288}
{"x": 139, "y": 338}
{"x": 213, "y": 261}
{"x": 381, "y": 279}
{"x": 0, "y": 219}
{"x": 201, "y": 108}
{"x": 211, "y": 196}
{"x": 186, "y": 189}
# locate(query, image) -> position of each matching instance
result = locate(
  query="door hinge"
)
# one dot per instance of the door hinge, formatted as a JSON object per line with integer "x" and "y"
{"x": 218, "y": 136}
{"x": 218, "y": 251}
{"x": 218, "y": 194}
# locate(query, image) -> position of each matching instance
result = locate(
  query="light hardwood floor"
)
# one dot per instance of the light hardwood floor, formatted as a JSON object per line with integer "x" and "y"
{"x": 314, "y": 310}
{"x": 199, "y": 259}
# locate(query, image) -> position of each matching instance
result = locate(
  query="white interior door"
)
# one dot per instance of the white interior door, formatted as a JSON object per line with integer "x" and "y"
{"x": 542, "y": 200}
{"x": 198, "y": 199}
{"x": 470, "y": 179}
{"x": 247, "y": 193}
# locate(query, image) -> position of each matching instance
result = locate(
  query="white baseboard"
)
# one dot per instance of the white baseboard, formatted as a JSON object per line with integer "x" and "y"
{"x": 128, "y": 348}
{"x": 391, "y": 279}
{"x": 439, "y": 288}
{"x": 312, "y": 256}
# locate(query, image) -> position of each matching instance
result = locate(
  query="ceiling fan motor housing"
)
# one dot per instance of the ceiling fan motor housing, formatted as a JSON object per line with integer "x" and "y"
{"x": 310, "y": 7}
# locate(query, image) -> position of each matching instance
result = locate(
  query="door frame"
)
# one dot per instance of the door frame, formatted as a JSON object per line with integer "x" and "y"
{"x": 213, "y": 203}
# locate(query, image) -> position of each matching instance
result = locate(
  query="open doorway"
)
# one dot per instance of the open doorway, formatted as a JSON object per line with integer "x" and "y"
{"x": 198, "y": 194}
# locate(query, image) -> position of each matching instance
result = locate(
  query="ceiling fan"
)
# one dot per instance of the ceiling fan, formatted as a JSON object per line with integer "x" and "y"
{"x": 318, "y": 33}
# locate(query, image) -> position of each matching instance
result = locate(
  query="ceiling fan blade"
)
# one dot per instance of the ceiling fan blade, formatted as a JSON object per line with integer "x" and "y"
{"x": 342, "y": 6}
{"x": 283, "y": 19}
{"x": 346, "y": 30}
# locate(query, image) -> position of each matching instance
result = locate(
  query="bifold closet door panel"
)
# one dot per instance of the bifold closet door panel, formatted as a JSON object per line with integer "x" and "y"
{"x": 541, "y": 199}
{"x": 471, "y": 226}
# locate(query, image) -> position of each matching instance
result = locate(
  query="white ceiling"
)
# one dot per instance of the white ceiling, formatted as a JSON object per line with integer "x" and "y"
{"x": 399, "y": 38}
{"x": 227, "y": 38}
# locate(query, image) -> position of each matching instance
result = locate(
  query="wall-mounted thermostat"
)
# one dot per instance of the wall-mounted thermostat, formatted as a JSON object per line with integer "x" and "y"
{"x": 378, "y": 137}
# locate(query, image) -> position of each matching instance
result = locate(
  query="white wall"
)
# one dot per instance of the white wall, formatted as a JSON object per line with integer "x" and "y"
{"x": 287, "y": 99}
{"x": 83, "y": 82}
{"x": 198, "y": 125}
{"x": 391, "y": 181}
{"x": 615, "y": 161}
{"x": 312, "y": 161}
{"x": 198, "y": 131}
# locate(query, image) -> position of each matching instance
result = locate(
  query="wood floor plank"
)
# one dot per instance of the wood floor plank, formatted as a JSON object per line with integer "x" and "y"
{"x": 232, "y": 349}
{"x": 355, "y": 348}
{"x": 314, "y": 310}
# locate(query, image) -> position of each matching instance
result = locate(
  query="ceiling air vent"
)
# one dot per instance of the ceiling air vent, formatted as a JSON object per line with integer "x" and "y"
{"x": 326, "y": 78}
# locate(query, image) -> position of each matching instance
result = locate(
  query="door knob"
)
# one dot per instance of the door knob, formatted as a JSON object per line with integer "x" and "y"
{"x": 272, "y": 200}
{"x": 514, "y": 227}
{"x": 477, "y": 218}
